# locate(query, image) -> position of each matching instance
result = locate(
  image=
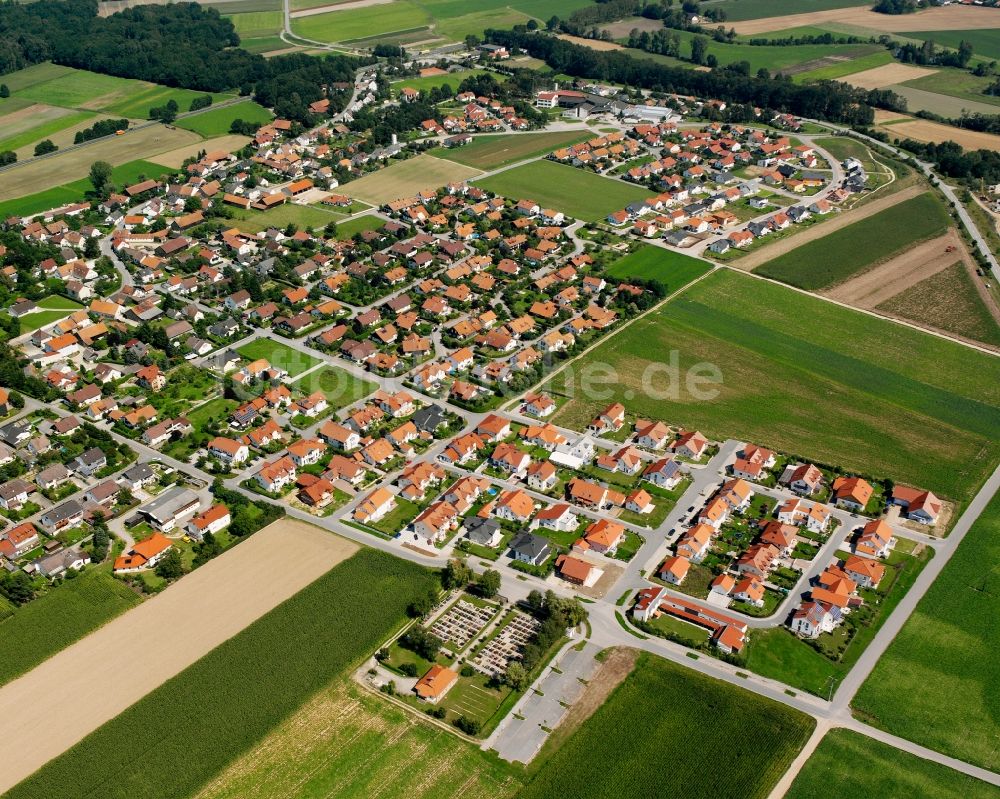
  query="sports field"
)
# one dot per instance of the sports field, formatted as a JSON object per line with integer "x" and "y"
{"x": 669, "y": 731}
{"x": 490, "y": 152}
{"x": 576, "y": 193}
{"x": 340, "y": 386}
{"x": 227, "y": 702}
{"x": 75, "y": 692}
{"x": 404, "y": 178}
{"x": 293, "y": 361}
{"x": 672, "y": 269}
{"x": 347, "y": 743}
{"x": 52, "y": 622}
{"x": 216, "y": 121}
{"x": 936, "y": 684}
{"x": 849, "y": 251}
{"x": 847, "y": 765}
{"x": 805, "y": 376}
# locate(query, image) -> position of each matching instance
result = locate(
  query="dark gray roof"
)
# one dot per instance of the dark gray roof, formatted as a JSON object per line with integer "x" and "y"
{"x": 531, "y": 545}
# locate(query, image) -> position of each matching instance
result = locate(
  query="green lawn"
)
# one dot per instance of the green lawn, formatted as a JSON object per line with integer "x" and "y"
{"x": 853, "y": 249}
{"x": 225, "y": 703}
{"x": 491, "y": 152}
{"x": 340, "y": 386}
{"x": 216, "y": 121}
{"x": 55, "y": 309}
{"x": 936, "y": 684}
{"x": 293, "y": 361}
{"x": 304, "y": 217}
{"x": 575, "y": 192}
{"x": 788, "y": 360}
{"x": 65, "y": 614}
{"x": 847, "y": 765}
{"x": 669, "y": 731}
{"x": 452, "y": 79}
{"x": 349, "y": 228}
{"x": 670, "y": 268}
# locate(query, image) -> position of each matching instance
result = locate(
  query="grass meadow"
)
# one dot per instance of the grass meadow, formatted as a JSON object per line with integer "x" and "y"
{"x": 669, "y": 731}
{"x": 739, "y": 10}
{"x": 340, "y": 386}
{"x": 807, "y": 377}
{"x": 847, "y": 764}
{"x": 490, "y": 152}
{"x": 216, "y": 121}
{"x": 985, "y": 41}
{"x": 841, "y": 69}
{"x": 575, "y": 192}
{"x": 293, "y": 361}
{"x": 179, "y": 737}
{"x": 65, "y": 614}
{"x": 671, "y": 269}
{"x": 936, "y": 684}
{"x": 855, "y": 248}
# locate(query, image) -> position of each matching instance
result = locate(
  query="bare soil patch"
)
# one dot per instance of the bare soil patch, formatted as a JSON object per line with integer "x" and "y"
{"x": 886, "y": 75}
{"x": 593, "y": 44}
{"x": 923, "y": 130}
{"x": 883, "y": 117}
{"x": 896, "y": 275}
{"x": 175, "y": 158}
{"x": 620, "y": 30}
{"x": 772, "y": 250}
{"x": 64, "y": 699}
{"x": 944, "y": 18}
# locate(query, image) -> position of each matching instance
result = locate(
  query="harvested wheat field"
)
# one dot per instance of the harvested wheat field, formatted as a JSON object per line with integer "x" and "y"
{"x": 405, "y": 178}
{"x": 593, "y": 44}
{"x": 923, "y": 130}
{"x": 175, "y": 158}
{"x": 886, "y": 75}
{"x": 68, "y": 696}
{"x": 944, "y": 18}
{"x": 883, "y": 117}
{"x": 896, "y": 275}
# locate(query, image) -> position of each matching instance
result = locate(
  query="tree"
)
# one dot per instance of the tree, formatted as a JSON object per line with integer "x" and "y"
{"x": 100, "y": 177}
{"x": 699, "y": 48}
{"x": 421, "y": 606}
{"x": 552, "y": 23}
{"x": 532, "y": 25}
{"x": 45, "y": 146}
{"x": 101, "y": 542}
{"x": 516, "y": 677}
{"x": 419, "y": 640}
{"x": 4, "y": 91}
{"x": 16, "y": 399}
{"x": 171, "y": 565}
{"x": 488, "y": 584}
{"x": 471, "y": 41}
{"x": 17, "y": 587}
{"x": 8, "y": 157}
{"x": 467, "y": 725}
{"x": 456, "y": 574}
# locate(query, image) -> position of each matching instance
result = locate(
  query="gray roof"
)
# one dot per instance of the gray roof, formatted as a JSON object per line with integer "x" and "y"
{"x": 139, "y": 473}
{"x": 169, "y": 503}
{"x": 534, "y": 546}
{"x": 481, "y": 531}
{"x": 429, "y": 418}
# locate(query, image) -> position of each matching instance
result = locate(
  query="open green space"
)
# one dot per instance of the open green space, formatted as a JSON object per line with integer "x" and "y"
{"x": 81, "y": 89}
{"x": 122, "y": 175}
{"x": 227, "y": 701}
{"x": 847, "y": 764}
{"x": 936, "y": 684}
{"x": 652, "y": 738}
{"x": 738, "y": 10}
{"x": 672, "y": 269}
{"x": 985, "y": 41}
{"x": 453, "y": 79}
{"x": 851, "y": 250}
{"x": 293, "y": 361}
{"x": 350, "y": 227}
{"x": 137, "y": 106}
{"x": 44, "y": 626}
{"x": 786, "y": 360}
{"x": 35, "y": 75}
{"x": 490, "y": 152}
{"x": 842, "y": 68}
{"x": 948, "y": 301}
{"x": 304, "y": 217}
{"x": 216, "y": 121}
{"x": 340, "y": 386}
{"x": 263, "y": 44}
{"x": 575, "y": 192}
{"x": 357, "y": 23}
{"x": 254, "y": 24}
{"x": 55, "y": 308}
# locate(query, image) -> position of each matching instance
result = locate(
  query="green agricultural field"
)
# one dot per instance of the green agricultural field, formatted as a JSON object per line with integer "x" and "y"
{"x": 851, "y": 250}
{"x": 804, "y": 376}
{"x": 293, "y": 361}
{"x": 776, "y": 58}
{"x": 44, "y": 129}
{"x": 958, "y": 83}
{"x": 373, "y": 743}
{"x": 847, "y": 764}
{"x": 653, "y": 740}
{"x": 575, "y": 192}
{"x": 670, "y": 268}
{"x": 263, "y": 44}
{"x": 359, "y": 23}
{"x": 739, "y": 10}
{"x": 948, "y": 301}
{"x": 216, "y": 121}
{"x": 35, "y": 75}
{"x": 65, "y": 614}
{"x": 225, "y": 703}
{"x": 985, "y": 42}
{"x": 936, "y": 684}
{"x": 254, "y": 24}
{"x": 137, "y": 106}
{"x": 304, "y": 217}
{"x": 81, "y": 89}
{"x": 844, "y": 68}
{"x": 340, "y": 386}
{"x": 491, "y": 152}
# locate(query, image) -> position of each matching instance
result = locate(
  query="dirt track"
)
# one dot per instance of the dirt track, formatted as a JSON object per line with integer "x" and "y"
{"x": 944, "y": 18}
{"x": 888, "y": 279}
{"x": 768, "y": 252}
{"x": 68, "y": 696}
